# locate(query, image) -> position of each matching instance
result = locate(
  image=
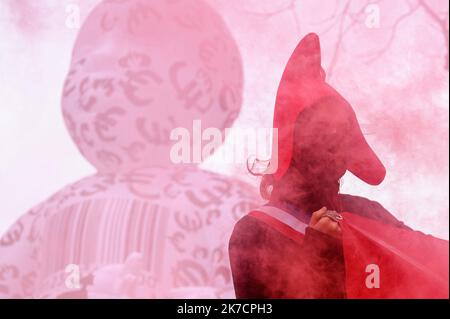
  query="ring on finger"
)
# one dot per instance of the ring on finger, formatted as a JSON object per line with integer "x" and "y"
{"x": 333, "y": 215}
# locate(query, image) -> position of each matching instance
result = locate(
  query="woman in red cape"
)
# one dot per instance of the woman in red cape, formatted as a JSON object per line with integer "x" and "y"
{"x": 350, "y": 247}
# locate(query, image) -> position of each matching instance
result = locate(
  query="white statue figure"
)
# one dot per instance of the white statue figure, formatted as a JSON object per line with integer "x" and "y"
{"x": 142, "y": 226}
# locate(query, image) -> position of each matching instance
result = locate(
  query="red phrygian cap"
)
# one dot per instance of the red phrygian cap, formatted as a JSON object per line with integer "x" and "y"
{"x": 303, "y": 85}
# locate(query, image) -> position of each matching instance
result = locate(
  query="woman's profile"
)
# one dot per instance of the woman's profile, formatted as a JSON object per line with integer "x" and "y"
{"x": 293, "y": 246}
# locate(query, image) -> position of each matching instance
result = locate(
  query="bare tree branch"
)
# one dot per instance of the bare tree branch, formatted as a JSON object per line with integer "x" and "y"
{"x": 339, "y": 40}
{"x": 440, "y": 19}
{"x": 376, "y": 55}
{"x": 290, "y": 7}
{"x": 442, "y": 24}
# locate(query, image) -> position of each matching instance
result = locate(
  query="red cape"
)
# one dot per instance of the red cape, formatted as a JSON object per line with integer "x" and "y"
{"x": 409, "y": 263}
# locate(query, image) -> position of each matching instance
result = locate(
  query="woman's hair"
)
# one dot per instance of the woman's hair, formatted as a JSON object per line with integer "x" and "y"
{"x": 267, "y": 180}
{"x": 266, "y": 186}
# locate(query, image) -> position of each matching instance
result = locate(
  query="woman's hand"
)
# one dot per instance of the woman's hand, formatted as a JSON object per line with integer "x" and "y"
{"x": 321, "y": 222}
